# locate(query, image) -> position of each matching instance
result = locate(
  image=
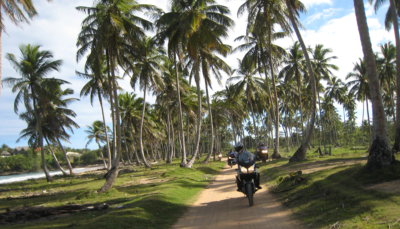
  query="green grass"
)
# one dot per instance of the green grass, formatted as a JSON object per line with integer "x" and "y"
{"x": 150, "y": 198}
{"x": 335, "y": 191}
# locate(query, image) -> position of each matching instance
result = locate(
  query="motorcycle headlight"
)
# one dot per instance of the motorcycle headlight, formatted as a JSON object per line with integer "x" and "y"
{"x": 251, "y": 169}
{"x": 264, "y": 151}
{"x": 243, "y": 170}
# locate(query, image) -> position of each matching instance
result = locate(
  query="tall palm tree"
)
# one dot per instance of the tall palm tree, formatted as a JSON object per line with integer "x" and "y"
{"x": 322, "y": 70}
{"x": 392, "y": 14}
{"x": 380, "y": 154}
{"x": 112, "y": 28}
{"x": 387, "y": 71}
{"x": 97, "y": 85}
{"x": 34, "y": 66}
{"x": 196, "y": 24}
{"x": 146, "y": 72}
{"x": 294, "y": 70}
{"x": 297, "y": 6}
{"x": 14, "y": 9}
{"x": 337, "y": 91}
{"x": 249, "y": 84}
{"x": 96, "y": 132}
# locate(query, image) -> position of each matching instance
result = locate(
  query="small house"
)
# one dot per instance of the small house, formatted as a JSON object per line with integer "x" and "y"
{"x": 5, "y": 154}
{"x": 20, "y": 150}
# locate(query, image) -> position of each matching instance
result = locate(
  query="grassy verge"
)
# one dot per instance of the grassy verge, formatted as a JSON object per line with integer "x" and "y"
{"x": 335, "y": 190}
{"x": 145, "y": 198}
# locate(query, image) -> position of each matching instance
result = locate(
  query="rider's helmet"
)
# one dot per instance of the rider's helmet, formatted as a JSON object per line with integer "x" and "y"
{"x": 260, "y": 144}
{"x": 238, "y": 147}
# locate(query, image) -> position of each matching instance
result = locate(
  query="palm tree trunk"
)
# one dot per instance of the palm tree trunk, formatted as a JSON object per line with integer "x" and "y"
{"x": 369, "y": 124}
{"x": 211, "y": 126}
{"x": 396, "y": 145}
{"x": 300, "y": 104}
{"x": 113, "y": 173}
{"x": 276, "y": 149}
{"x": 233, "y": 129}
{"x": 106, "y": 133}
{"x": 65, "y": 153}
{"x": 169, "y": 146}
{"x": 110, "y": 92}
{"x": 39, "y": 129}
{"x": 301, "y": 152}
{"x": 321, "y": 123}
{"x": 380, "y": 154}
{"x": 182, "y": 133}
{"x": 199, "y": 119}
{"x": 254, "y": 120}
{"x": 55, "y": 158}
{"x": 146, "y": 165}
{"x": 102, "y": 157}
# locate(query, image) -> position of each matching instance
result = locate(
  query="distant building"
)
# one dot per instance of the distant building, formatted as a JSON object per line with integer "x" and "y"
{"x": 19, "y": 150}
{"x": 5, "y": 154}
{"x": 73, "y": 154}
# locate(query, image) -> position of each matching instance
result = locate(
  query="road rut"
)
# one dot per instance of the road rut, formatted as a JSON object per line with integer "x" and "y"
{"x": 221, "y": 206}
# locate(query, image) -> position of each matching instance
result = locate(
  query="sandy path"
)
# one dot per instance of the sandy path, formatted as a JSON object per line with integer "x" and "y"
{"x": 221, "y": 206}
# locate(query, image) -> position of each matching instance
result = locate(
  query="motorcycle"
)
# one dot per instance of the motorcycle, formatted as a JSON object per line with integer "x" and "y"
{"x": 231, "y": 158}
{"x": 247, "y": 174}
{"x": 263, "y": 153}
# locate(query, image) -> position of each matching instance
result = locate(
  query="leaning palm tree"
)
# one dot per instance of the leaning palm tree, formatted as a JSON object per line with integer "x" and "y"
{"x": 97, "y": 133}
{"x": 113, "y": 28}
{"x": 146, "y": 72}
{"x": 97, "y": 85}
{"x": 33, "y": 67}
{"x": 14, "y": 9}
{"x": 298, "y": 7}
{"x": 380, "y": 154}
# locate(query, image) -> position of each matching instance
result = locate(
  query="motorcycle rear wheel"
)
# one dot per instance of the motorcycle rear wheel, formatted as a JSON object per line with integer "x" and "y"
{"x": 249, "y": 192}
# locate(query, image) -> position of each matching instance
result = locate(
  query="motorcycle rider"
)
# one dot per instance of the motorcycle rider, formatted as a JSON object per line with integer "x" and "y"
{"x": 230, "y": 153}
{"x": 241, "y": 156}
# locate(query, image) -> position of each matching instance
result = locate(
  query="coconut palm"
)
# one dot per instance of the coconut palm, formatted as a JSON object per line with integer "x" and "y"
{"x": 97, "y": 85}
{"x": 113, "y": 28}
{"x": 249, "y": 84}
{"x": 195, "y": 25}
{"x": 298, "y": 7}
{"x": 294, "y": 70}
{"x": 96, "y": 132}
{"x": 380, "y": 154}
{"x": 34, "y": 66}
{"x": 146, "y": 72}
{"x": 391, "y": 14}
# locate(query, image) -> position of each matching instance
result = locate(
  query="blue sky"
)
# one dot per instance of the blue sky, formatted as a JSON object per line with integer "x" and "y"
{"x": 328, "y": 22}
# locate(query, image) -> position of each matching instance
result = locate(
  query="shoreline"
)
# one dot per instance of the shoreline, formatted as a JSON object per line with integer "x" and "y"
{"x": 10, "y": 173}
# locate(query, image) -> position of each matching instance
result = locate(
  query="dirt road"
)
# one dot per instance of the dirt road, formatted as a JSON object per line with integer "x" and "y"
{"x": 221, "y": 206}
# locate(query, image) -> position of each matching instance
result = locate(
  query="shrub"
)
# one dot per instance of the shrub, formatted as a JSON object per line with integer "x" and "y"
{"x": 89, "y": 157}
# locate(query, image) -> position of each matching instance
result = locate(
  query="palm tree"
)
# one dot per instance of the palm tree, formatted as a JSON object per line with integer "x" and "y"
{"x": 33, "y": 67}
{"x": 392, "y": 14}
{"x": 387, "y": 71}
{"x": 14, "y": 9}
{"x": 380, "y": 154}
{"x": 297, "y": 6}
{"x": 146, "y": 72}
{"x": 195, "y": 25}
{"x": 57, "y": 115}
{"x": 322, "y": 70}
{"x": 97, "y": 133}
{"x": 294, "y": 70}
{"x": 97, "y": 85}
{"x": 111, "y": 28}
{"x": 250, "y": 84}
{"x": 337, "y": 91}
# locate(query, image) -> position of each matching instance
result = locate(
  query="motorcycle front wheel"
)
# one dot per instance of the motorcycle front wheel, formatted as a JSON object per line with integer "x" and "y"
{"x": 249, "y": 192}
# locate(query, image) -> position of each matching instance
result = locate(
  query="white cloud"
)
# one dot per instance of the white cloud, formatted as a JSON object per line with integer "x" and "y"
{"x": 309, "y": 3}
{"x": 326, "y": 13}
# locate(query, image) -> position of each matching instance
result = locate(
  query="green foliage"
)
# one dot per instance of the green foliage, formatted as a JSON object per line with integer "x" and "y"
{"x": 89, "y": 157}
{"x": 15, "y": 163}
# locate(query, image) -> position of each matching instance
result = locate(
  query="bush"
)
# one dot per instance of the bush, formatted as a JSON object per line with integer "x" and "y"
{"x": 89, "y": 157}
{"x": 18, "y": 163}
